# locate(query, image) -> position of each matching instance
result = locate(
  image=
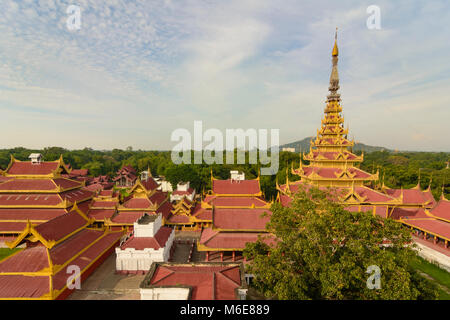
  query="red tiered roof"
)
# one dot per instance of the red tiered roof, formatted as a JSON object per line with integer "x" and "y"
{"x": 333, "y": 173}
{"x": 235, "y": 186}
{"x": 207, "y": 281}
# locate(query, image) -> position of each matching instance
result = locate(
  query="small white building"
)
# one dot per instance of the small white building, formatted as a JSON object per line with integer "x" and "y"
{"x": 149, "y": 242}
{"x": 163, "y": 184}
{"x": 235, "y": 175}
{"x": 36, "y": 158}
{"x": 288, "y": 149}
{"x": 183, "y": 191}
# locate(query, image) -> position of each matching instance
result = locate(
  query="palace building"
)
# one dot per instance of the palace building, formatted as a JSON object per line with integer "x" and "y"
{"x": 238, "y": 214}
{"x": 35, "y": 192}
{"x": 149, "y": 242}
{"x": 125, "y": 177}
{"x": 332, "y": 164}
{"x": 143, "y": 198}
{"x": 58, "y": 254}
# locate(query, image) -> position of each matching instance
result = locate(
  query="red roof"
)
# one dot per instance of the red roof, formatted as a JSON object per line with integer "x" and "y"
{"x": 73, "y": 245}
{"x": 430, "y": 225}
{"x": 235, "y": 201}
{"x": 412, "y": 196}
{"x": 30, "y": 214}
{"x": 182, "y": 193}
{"x": 230, "y": 240}
{"x": 331, "y": 173}
{"x": 16, "y": 227}
{"x": 137, "y": 203}
{"x": 243, "y": 219}
{"x": 17, "y": 286}
{"x": 77, "y": 195}
{"x": 236, "y": 186}
{"x": 158, "y": 197}
{"x": 79, "y": 172}
{"x": 202, "y": 213}
{"x": 207, "y": 282}
{"x": 20, "y": 262}
{"x": 178, "y": 219}
{"x": 29, "y": 199}
{"x": 127, "y": 217}
{"x": 101, "y": 214}
{"x": 442, "y": 210}
{"x": 408, "y": 213}
{"x": 61, "y": 226}
{"x": 28, "y": 184}
{"x": 157, "y": 242}
{"x": 86, "y": 257}
{"x": 104, "y": 204}
{"x": 150, "y": 184}
{"x": 67, "y": 183}
{"x": 28, "y": 168}
{"x": 165, "y": 209}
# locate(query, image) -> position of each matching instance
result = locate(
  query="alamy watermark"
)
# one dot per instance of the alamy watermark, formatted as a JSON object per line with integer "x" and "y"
{"x": 73, "y": 22}
{"x": 74, "y": 280}
{"x": 374, "y": 281}
{"x": 251, "y": 140}
{"x": 374, "y": 20}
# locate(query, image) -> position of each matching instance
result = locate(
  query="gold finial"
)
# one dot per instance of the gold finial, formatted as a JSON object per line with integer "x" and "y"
{"x": 335, "y": 52}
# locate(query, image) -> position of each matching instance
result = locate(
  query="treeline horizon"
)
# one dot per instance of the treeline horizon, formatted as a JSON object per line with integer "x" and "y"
{"x": 399, "y": 169}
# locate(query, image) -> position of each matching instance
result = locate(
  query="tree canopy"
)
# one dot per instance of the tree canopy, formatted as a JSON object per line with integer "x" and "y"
{"x": 324, "y": 251}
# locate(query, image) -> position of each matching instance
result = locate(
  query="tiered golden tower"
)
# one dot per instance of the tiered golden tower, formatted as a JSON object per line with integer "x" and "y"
{"x": 331, "y": 161}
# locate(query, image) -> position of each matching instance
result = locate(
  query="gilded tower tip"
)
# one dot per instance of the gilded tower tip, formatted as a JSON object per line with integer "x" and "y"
{"x": 335, "y": 52}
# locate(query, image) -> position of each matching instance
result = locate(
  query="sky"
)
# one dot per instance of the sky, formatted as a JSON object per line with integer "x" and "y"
{"x": 135, "y": 71}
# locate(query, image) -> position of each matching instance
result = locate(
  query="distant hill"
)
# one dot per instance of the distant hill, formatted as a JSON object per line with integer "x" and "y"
{"x": 304, "y": 146}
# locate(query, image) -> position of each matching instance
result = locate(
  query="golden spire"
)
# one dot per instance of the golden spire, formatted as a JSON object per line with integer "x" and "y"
{"x": 335, "y": 52}
{"x": 334, "y": 77}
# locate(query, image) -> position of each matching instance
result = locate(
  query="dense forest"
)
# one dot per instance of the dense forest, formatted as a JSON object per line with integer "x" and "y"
{"x": 399, "y": 169}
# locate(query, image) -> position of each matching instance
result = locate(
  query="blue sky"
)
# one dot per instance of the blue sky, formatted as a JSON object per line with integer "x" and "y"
{"x": 137, "y": 70}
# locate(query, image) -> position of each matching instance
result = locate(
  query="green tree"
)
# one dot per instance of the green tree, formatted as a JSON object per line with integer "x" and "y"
{"x": 324, "y": 251}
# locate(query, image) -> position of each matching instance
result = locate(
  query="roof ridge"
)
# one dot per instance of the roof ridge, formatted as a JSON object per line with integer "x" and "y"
{"x": 225, "y": 276}
{"x": 170, "y": 272}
